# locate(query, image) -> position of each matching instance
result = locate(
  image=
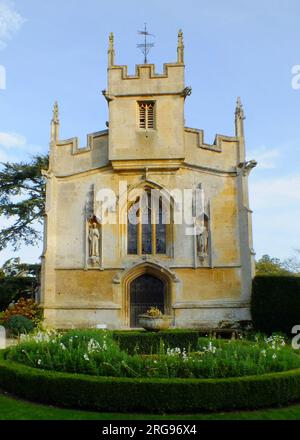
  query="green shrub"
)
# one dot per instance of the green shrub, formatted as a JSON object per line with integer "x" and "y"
{"x": 19, "y": 324}
{"x": 276, "y": 303}
{"x": 25, "y": 307}
{"x": 149, "y": 395}
{"x": 13, "y": 288}
{"x": 150, "y": 342}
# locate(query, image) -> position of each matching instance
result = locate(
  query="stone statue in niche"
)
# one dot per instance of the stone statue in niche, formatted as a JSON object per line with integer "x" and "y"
{"x": 202, "y": 237}
{"x": 94, "y": 241}
{"x": 94, "y": 238}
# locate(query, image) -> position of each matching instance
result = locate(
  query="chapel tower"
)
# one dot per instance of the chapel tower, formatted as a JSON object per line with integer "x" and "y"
{"x": 146, "y": 112}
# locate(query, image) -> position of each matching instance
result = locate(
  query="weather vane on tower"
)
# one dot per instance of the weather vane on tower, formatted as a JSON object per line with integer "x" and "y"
{"x": 145, "y": 47}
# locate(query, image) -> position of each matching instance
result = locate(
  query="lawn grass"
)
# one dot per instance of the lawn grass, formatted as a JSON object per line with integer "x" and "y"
{"x": 16, "y": 409}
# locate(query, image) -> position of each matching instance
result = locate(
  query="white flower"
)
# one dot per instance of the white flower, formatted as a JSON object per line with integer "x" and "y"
{"x": 210, "y": 349}
{"x": 94, "y": 346}
{"x": 176, "y": 352}
{"x": 264, "y": 353}
{"x": 39, "y": 361}
{"x": 276, "y": 342}
{"x": 62, "y": 346}
{"x": 85, "y": 356}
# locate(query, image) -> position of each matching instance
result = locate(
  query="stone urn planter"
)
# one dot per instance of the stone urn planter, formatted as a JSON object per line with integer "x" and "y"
{"x": 155, "y": 324}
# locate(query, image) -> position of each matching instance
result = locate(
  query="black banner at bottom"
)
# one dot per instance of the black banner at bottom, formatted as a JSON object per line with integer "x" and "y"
{"x": 136, "y": 429}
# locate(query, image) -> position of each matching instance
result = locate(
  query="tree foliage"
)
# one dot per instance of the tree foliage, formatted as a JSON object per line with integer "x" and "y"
{"x": 18, "y": 280}
{"x": 14, "y": 288}
{"x": 271, "y": 266}
{"x": 293, "y": 264}
{"x": 14, "y": 268}
{"x": 22, "y": 201}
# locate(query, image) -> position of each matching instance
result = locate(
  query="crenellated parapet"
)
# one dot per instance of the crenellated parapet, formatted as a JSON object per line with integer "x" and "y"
{"x": 145, "y": 80}
{"x": 150, "y": 70}
{"x": 75, "y": 146}
{"x": 67, "y": 158}
{"x": 219, "y": 141}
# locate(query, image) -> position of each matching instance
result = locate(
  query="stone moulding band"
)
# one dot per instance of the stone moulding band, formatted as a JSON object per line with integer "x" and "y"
{"x": 170, "y": 266}
{"x": 207, "y": 170}
{"x": 84, "y": 173}
{"x": 132, "y": 95}
{"x": 163, "y": 164}
{"x": 80, "y": 307}
{"x": 211, "y": 305}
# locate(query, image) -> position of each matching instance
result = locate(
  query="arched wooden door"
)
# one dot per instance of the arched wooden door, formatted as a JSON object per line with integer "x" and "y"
{"x": 146, "y": 291}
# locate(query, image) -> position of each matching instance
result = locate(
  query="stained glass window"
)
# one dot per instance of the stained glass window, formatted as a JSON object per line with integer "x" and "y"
{"x": 147, "y": 231}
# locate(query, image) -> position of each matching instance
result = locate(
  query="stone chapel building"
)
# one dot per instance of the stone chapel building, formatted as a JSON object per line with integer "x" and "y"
{"x": 107, "y": 272}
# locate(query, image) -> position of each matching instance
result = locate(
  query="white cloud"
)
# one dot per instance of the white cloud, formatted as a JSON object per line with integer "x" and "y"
{"x": 15, "y": 147}
{"x": 266, "y": 158}
{"x": 276, "y": 192}
{"x": 276, "y": 205}
{"x": 10, "y": 21}
{"x": 12, "y": 140}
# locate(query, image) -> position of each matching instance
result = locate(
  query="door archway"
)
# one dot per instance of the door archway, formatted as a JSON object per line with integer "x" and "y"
{"x": 146, "y": 291}
{"x": 123, "y": 281}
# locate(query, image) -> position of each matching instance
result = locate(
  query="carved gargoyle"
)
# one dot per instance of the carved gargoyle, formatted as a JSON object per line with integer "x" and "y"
{"x": 247, "y": 166}
{"x": 187, "y": 92}
{"x": 106, "y": 96}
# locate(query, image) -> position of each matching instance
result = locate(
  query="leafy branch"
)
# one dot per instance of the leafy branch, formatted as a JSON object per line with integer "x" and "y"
{"x": 22, "y": 201}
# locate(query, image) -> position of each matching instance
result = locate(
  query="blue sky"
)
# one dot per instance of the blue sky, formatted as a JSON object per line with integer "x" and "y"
{"x": 58, "y": 50}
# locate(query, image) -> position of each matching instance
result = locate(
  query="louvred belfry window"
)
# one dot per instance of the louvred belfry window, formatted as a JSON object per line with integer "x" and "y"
{"x": 146, "y": 115}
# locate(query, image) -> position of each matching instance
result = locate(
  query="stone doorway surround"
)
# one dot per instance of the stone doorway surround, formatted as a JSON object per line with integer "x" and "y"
{"x": 122, "y": 282}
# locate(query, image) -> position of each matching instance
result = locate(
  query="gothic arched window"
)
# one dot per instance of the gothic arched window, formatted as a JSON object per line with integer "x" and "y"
{"x": 147, "y": 226}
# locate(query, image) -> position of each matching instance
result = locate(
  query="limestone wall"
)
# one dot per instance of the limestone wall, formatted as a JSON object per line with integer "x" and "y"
{"x": 168, "y": 157}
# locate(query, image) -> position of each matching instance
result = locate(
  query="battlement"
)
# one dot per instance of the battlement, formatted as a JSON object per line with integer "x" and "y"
{"x": 141, "y": 69}
{"x": 145, "y": 81}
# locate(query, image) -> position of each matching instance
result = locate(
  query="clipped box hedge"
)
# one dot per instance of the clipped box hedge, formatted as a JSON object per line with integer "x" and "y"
{"x": 149, "y": 342}
{"x": 275, "y": 303}
{"x": 148, "y": 395}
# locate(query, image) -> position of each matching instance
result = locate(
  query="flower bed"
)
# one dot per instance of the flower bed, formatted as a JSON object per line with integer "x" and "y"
{"x": 98, "y": 354}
